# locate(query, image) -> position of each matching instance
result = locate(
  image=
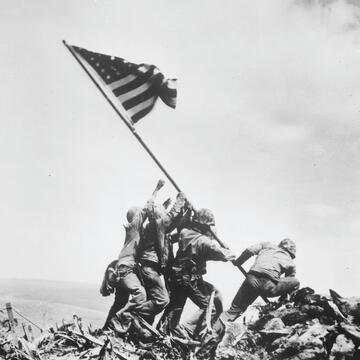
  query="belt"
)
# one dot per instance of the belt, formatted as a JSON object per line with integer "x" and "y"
{"x": 258, "y": 274}
{"x": 156, "y": 266}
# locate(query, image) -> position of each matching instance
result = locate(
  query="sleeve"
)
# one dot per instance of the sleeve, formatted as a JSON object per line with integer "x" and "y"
{"x": 139, "y": 219}
{"x": 173, "y": 217}
{"x": 161, "y": 243}
{"x": 211, "y": 250}
{"x": 250, "y": 251}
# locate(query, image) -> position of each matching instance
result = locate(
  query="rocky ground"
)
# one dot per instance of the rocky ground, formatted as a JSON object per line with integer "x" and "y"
{"x": 307, "y": 326}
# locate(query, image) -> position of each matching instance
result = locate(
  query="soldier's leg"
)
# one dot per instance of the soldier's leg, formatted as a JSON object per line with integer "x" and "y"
{"x": 121, "y": 298}
{"x": 246, "y": 295}
{"x": 197, "y": 322}
{"x": 172, "y": 314}
{"x": 131, "y": 284}
{"x": 157, "y": 295}
{"x": 284, "y": 286}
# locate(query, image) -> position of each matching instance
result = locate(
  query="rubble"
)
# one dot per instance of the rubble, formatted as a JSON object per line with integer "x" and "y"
{"x": 308, "y": 326}
{"x": 305, "y": 327}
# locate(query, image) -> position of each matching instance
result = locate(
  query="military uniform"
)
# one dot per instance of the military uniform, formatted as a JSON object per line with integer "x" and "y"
{"x": 195, "y": 249}
{"x": 264, "y": 277}
{"x": 154, "y": 254}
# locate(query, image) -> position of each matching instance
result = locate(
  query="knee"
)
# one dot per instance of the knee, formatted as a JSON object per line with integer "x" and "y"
{"x": 162, "y": 301}
{"x": 139, "y": 294}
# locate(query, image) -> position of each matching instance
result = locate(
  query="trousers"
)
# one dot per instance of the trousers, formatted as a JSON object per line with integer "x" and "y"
{"x": 254, "y": 286}
{"x": 199, "y": 292}
{"x": 157, "y": 295}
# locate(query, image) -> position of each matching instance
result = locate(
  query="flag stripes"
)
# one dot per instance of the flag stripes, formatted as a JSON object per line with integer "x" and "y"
{"x": 136, "y": 87}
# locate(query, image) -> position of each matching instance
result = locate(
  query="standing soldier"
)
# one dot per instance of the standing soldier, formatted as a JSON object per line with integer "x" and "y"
{"x": 264, "y": 277}
{"x": 196, "y": 247}
{"x": 154, "y": 254}
{"x": 127, "y": 281}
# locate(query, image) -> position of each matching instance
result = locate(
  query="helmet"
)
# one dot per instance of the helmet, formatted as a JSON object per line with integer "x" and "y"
{"x": 132, "y": 212}
{"x": 205, "y": 217}
{"x": 289, "y": 246}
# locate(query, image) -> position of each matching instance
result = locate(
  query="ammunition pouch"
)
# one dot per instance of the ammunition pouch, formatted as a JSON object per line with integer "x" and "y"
{"x": 185, "y": 273}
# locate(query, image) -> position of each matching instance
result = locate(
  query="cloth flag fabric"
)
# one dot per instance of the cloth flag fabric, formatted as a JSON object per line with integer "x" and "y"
{"x": 136, "y": 87}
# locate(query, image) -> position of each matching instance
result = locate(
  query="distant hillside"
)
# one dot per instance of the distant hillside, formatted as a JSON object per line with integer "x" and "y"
{"x": 47, "y": 302}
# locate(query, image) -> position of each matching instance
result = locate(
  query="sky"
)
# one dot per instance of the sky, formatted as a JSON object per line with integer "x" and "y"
{"x": 266, "y": 132}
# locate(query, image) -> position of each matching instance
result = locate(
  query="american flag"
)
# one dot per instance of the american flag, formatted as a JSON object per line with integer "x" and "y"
{"x": 136, "y": 87}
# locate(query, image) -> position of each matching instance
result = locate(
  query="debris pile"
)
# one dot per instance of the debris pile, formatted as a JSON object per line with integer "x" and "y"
{"x": 307, "y": 326}
{"x": 73, "y": 341}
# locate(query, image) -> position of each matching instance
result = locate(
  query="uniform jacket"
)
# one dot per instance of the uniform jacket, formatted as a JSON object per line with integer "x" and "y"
{"x": 271, "y": 261}
{"x": 153, "y": 243}
{"x": 129, "y": 251}
{"x": 199, "y": 248}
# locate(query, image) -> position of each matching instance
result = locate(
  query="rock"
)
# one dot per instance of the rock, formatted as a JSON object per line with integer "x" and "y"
{"x": 233, "y": 331}
{"x": 349, "y": 307}
{"x": 305, "y": 343}
{"x": 343, "y": 348}
{"x": 274, "y": 324}
{"x": 274, "y": 329}
{"x": 300, "y": 297}
{"x": 351, "y": 331}
{"x": 309, "y": 354}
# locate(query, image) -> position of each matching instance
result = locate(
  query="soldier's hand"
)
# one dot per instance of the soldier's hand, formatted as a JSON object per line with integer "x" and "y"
{"x": 160, "y": 184}
{"x": 231, "y": 257}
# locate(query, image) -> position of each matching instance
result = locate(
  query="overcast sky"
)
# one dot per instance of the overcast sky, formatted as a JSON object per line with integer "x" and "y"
{"x": 266, "y": 132}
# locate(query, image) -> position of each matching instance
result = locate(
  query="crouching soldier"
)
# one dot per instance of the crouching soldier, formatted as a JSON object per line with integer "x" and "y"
{"x": 109, "y": 286}
{"x": 196, "y": 247}
{"x": 264, "y": 277}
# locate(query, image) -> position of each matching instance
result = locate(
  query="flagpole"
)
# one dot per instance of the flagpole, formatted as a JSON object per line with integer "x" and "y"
{"x": 125, "y": 118}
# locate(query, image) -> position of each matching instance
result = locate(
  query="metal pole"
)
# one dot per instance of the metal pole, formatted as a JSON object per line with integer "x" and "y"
{"x": 12, "y": 323}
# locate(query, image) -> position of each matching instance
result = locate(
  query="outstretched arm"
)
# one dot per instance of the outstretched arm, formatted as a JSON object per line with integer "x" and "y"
{"x": 151, "y": 201}
{"x": 159, "y": 185}
{"x": 250, "y": 251}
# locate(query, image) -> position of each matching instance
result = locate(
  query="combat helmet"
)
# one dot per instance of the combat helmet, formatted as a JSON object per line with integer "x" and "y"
{"x": 204, "y": 217}
{"x": 289, "y": 246}
{"x": 132, "y": 212}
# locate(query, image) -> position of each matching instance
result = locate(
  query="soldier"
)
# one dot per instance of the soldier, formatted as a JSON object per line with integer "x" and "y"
{"x": 128, "y": 282}
{"x": 154, "y": 254}
{"x": 264, "y": 277}
{"x": 196, "y": 247}
{"x": 109, "y": 286}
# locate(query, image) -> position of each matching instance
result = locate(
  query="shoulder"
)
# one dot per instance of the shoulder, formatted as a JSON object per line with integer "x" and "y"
{"x": 261, "y": 246}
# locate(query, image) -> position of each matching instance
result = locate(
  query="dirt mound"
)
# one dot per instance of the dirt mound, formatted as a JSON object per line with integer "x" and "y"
{"x": 307, "y": 326}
